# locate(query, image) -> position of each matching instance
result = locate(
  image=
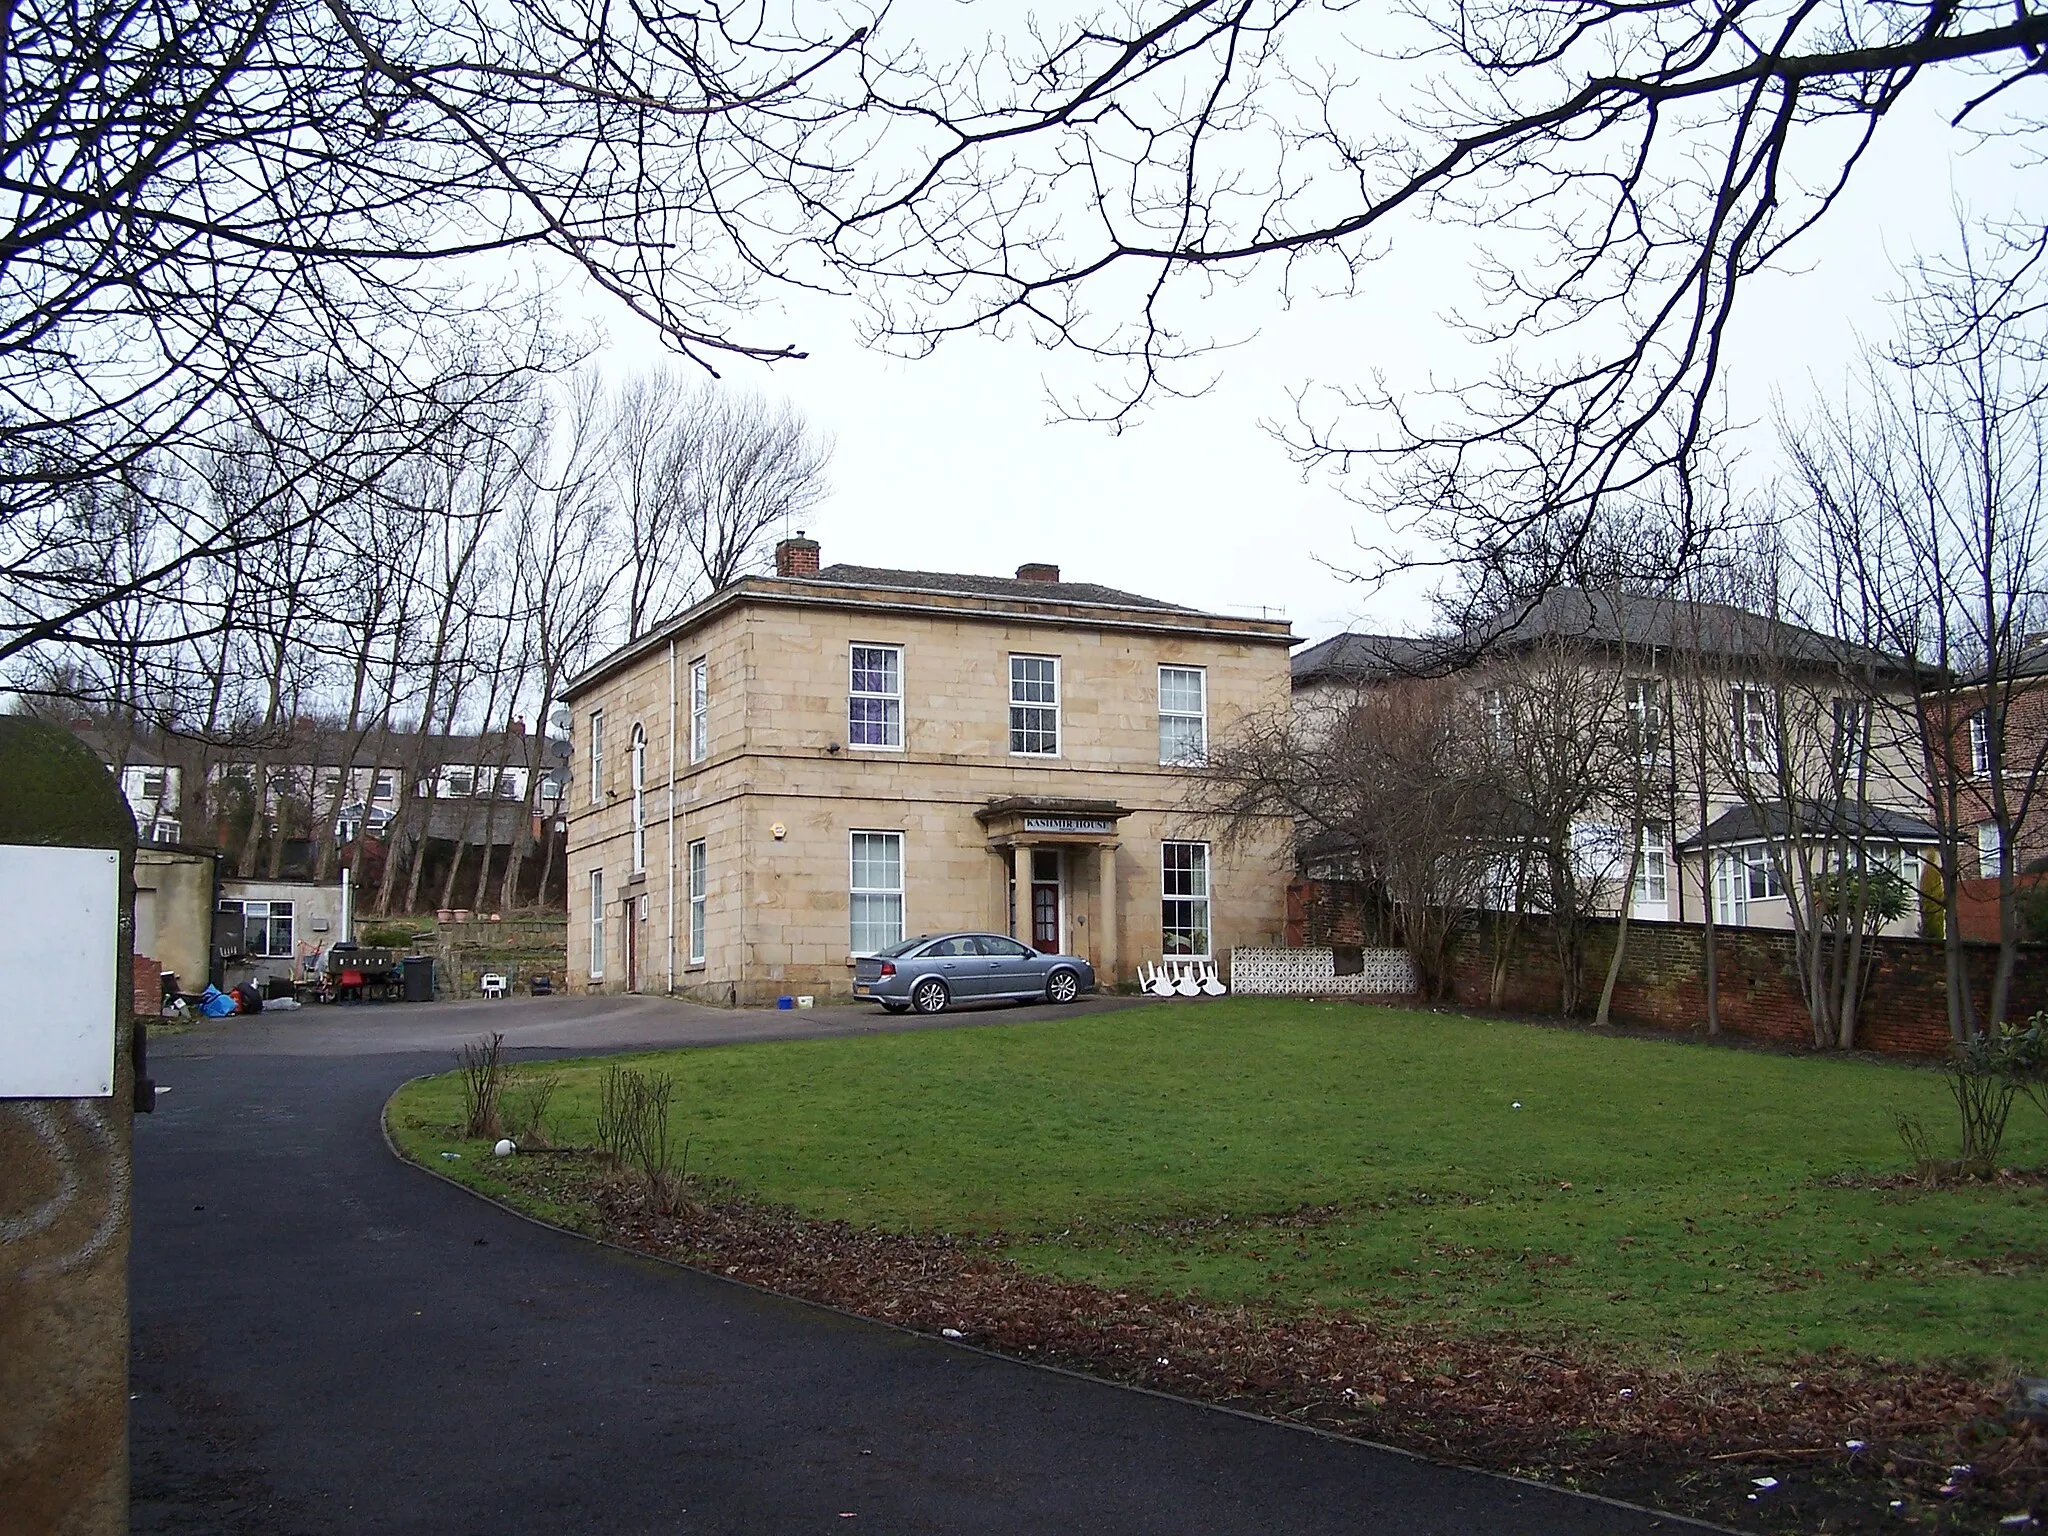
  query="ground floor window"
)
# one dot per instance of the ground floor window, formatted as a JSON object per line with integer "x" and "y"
{"x": 1651, "y": 882}
{"x": 1743, "y": 875}
{"x": 1184, "y": 909}
{"x": 266, "y": 927}
{"x": 597, "y": 925}
{"x": 698, "y": 886}
{"x": 875, "y": 907}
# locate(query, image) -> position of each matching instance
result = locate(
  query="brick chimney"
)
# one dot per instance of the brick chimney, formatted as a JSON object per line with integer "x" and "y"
{"x": 797, "y": 556}
{"x": 519, "y": 725}
{"x": 1034, "y": 571}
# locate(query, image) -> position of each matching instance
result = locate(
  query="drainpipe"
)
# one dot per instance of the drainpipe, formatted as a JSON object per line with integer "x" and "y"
{"x": 671, "y": 814}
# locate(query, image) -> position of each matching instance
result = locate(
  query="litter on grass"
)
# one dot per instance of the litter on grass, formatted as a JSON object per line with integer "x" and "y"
{"x": 951, "y": 1333}
{"x": 1765, "y": 1483}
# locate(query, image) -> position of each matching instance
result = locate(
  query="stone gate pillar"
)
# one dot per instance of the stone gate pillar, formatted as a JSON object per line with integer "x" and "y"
{"x": 64, "y": 1185}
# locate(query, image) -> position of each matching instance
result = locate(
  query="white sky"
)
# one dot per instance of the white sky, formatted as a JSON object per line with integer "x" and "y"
{"x": 953, "y": 462}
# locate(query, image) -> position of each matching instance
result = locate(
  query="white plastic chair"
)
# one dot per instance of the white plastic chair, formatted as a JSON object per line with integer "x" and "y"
{"x": 1212, "y": 984}
{"x": 1185, "y": 983}
{"x": 1160, "y": 984}
{"x": 492, "y": 984}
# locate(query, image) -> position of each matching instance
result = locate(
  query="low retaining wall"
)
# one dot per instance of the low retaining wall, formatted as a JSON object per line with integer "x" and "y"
{"x": 1663, "y": 974}
{"x": 1313, "y": 973}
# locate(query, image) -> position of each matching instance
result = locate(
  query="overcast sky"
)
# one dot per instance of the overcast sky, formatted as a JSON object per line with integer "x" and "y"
{"x": 953, "y": 462}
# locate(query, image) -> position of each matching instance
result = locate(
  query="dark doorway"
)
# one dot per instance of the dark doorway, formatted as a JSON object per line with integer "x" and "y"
{"x": 1045, "y": 900}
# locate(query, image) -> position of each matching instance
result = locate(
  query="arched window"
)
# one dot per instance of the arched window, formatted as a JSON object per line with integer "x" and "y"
{"x": 639, "y": 799}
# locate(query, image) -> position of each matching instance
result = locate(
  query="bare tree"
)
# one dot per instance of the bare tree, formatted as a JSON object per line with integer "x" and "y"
{"x": 1923, "y": 507}
{"x": 1627, "y": 166}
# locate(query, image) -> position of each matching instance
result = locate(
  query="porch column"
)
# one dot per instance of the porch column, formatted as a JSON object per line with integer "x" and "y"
{"x": 1107, "y": 963}
{"x": 1020, "y": 901}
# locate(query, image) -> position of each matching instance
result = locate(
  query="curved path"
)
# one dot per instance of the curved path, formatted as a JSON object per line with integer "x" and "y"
{"x": 328, "y": 1340}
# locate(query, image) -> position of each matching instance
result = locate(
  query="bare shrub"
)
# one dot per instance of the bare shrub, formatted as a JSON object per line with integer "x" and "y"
{"x": 633, "y": 1133}
{"x": 527, "y": 1098}
{"x": 1919, "y": 1145}
{"x": 483, "y": 1079}
{"x": 1982, "y": 1081}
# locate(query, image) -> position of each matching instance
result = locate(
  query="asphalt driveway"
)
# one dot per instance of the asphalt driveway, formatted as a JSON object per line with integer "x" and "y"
{"x": 328, "y": 1340}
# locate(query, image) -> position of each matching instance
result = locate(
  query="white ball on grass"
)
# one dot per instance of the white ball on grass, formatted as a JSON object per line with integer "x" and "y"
{"x": 505, "y": 1148}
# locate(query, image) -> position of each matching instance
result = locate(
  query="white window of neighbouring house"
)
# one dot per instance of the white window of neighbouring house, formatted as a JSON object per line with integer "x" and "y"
{"x": 1852, "y": 740}
{"x": 1493, "y": 709}
{"x": 1652, "y": 885}
{"x": 1184, "y": 907}
{"x": 699, "y": 886}
{"x": 1980, "y": 744}
{"x": 597, "y": 757}
{"x": 700, "y": 710}
{"x": 639, "y": 770}
{"x": 384, "y": 786}
{"x": 460, "y": 782}
{"x": 875, "y": 906}
{"x": 1989, "y": 845}
{"x": 1731, "y": 891}
{"x": 874, "y": 697}
{"x": 1183, "y": 716}
{"x": 597, "y": 925}
{"x": 1754, "y": 745}
{"x": 154, "y": 783}
{"x": 266, "y": 927}
{"x": 1034, "y": 706}
{"x": 1644, "y": 701}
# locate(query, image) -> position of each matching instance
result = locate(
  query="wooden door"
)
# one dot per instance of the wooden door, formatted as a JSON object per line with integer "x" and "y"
{"x": 1045, "y": 900}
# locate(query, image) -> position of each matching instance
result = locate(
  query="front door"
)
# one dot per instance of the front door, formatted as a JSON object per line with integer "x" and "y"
{"x": 632, "y": 926}
{"x": 1045, "y": 900}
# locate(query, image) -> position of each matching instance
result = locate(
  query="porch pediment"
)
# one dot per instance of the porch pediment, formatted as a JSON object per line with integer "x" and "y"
{"x": 1044, "y": 819}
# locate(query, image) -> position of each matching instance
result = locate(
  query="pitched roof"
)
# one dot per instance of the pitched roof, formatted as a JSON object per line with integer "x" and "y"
{"x": 1816, "y": 818}
{"x": 1636, "y": 621}
{"x": 985, "y": 586}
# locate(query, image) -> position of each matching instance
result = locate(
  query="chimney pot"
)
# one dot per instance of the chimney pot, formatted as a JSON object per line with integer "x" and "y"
{"x": 1037, "y": 571}
{"x": 519, "y": 725}
{"x": 797, "y": 556}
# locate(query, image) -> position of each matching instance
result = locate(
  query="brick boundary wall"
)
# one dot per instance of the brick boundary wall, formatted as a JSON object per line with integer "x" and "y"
{"x": 1662, "y": 983}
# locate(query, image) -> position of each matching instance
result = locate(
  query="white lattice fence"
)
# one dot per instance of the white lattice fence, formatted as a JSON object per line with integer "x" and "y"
{"x": 1313, "y": 973}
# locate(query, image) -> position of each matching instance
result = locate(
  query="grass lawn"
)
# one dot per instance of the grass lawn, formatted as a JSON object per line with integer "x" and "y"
{"x": 1667, "y": 1201}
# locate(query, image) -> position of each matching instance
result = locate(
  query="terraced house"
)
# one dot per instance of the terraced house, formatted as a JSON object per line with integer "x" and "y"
{"x": 810, "y": 766}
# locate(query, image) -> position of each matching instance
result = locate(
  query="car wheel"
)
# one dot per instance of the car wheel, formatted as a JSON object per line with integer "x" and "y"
{"x": 895, "y": 1007}
{"x": 1062, "y": 986}
{"x": 929, "y": 996}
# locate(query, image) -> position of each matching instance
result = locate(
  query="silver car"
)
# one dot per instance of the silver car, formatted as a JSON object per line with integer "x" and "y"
{"x": 932, "y": 972}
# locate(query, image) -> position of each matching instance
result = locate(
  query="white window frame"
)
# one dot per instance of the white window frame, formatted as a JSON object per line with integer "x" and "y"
{"x": 1653, "y": 872}
{"x": 596, "y": 726}
{"x": 699, "y": 867}
{"x": 1980, "y": 744}
{"x": 1755, "y": 733}
{"x": 638, "y": 765}
{"x": 700, "y": 709}
{"x": 1852, "y": 739}
{"x": 1644, "y": 703}
{"x": 1197, "y": 899}
{"x": 1500, "y": 726}
{"x": 161, "y": 778}
{"x": 384, "y": 785}
{"x": 859, "y": 925}
{"x": 891, "y": 702}
{"x": 271, "y": 913}
{"x": 1020, "y": 706}
{"x": 460, "y": 783}
{"x": 597, "y": 925}
{"x": 1990, "y": 844}
{"x": 1195, "y": 755}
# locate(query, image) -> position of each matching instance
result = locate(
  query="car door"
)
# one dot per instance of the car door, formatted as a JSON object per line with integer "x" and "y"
{"x": 959, "y": 960}
{"x": 1012, "y": 969}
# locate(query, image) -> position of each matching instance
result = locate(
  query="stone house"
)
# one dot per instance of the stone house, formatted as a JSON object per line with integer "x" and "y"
{"x": 1793, "y": 739}
{"x": 812, "y": 765}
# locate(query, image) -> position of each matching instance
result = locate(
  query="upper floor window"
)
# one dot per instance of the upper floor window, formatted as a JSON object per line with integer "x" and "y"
{"x": 700, "y": 710}
{"x": 1183, "y": 715}
{"x": 638, "y": 766}
{"x": 1852, "y": 740}
{"x": 597, "y": 757}
{"x": 874, "y": 696}
{"x": 1035, "y": 706}
{"x": 385, "y": 785}
{"x": 460, "y": 781}
{"x": 1755, "y": 741}
{"x": 1499, "y": 721}
{"x": 1644, "y": 701}
{"x": 1990, "y": 845}
{"x": 154, "y": 783}
{"x": 1980, "y": 744}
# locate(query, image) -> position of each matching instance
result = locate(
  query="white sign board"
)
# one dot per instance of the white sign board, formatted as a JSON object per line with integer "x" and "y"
{"x": 60, "y": 940}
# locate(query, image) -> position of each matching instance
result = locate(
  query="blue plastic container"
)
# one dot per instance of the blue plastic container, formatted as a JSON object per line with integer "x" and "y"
{"x": 785, "y": 1002}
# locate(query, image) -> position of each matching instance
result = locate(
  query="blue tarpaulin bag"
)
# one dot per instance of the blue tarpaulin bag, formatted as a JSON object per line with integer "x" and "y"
{"x": 216, "y": 1004}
